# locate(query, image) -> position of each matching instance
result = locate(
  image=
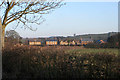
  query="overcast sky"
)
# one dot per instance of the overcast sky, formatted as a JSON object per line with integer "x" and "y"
{"x": 76, "y": 18}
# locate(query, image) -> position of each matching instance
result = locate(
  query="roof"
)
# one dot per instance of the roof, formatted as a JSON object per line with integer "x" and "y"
{"x": 51, "y": 40}
{"x": 64, "y": 40}
{"x": 34, "y": 40}
{"x": 86, "y": 39}
{"x": 101, "y": 40}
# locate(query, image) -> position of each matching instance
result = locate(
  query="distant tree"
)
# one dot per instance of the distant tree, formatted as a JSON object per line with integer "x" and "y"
{"x": 12, "y": 34}
{"x": 114, "y": 40}
{"x": 12, "y": 37}
{"x": 20, "y": 40}
{"x": 68, "y": 42}
{"x": 25, "y": 12}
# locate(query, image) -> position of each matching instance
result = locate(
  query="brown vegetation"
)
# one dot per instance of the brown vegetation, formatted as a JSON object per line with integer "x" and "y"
{"x": 55, "y": 62}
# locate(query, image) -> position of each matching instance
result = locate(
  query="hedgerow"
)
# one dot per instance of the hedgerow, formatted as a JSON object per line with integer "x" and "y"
{"x": 29, "y": 62}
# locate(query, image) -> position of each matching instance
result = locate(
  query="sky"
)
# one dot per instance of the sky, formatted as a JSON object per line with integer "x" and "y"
{"x": 76, "y": 18}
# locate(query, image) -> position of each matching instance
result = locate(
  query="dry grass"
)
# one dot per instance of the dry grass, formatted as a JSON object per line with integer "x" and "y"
{"x": 57, "y": 62}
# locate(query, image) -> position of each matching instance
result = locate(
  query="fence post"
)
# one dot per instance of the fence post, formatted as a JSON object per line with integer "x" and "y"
{"x": 0, "y": 49}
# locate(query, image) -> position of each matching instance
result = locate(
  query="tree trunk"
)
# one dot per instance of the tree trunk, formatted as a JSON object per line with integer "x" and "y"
{"x": 3, "y": 39}
{"x": 0, "y": 50}
{"x": 3, "y": 36}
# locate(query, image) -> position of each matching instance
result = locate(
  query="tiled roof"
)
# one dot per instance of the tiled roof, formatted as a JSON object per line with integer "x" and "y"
{"x": 102, "y": 40}
{"x": 51, "y": 40}
{"x": 86, "y": 39}
{"x": 35, "y": 40}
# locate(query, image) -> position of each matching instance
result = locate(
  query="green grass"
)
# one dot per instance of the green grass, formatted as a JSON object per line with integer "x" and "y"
{"x": 92, "y": 51}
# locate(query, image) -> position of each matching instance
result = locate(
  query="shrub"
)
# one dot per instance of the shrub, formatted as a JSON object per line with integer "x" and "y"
{"x": 25, "y": 62}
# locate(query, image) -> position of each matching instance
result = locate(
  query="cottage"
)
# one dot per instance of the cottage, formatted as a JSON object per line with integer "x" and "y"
{"x": 34, "y": 42}
{"x": 72, "y": 42}
{"x": 78, "y": 43}
{"x": 101, "y": 41}
{"x": 86, "y": 41}
{"x": 63, "y": 43}
{"x": 51, "y": 42}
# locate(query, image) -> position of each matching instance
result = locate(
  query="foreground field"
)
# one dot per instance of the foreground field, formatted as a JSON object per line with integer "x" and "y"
{"x": 60, "y": 62}
{"x": 92, "y": 51}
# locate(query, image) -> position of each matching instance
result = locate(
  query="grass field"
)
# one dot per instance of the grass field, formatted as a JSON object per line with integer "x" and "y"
{"x": 92, "y": 51}
{"x": 60, "y": 62}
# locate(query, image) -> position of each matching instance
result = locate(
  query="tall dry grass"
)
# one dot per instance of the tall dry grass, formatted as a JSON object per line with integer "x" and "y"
{"x": 25, "y": 62}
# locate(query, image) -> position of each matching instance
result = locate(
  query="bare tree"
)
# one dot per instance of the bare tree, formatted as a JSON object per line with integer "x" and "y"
{"x": 12, "y": 37}
{"x": 25, "y": 13}
{"x": 12, "y": 34}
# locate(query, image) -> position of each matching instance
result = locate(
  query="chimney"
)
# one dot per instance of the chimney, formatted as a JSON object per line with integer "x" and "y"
{"x": 74, "y": 35}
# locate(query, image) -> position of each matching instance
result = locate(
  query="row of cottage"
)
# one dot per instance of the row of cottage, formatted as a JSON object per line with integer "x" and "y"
{"x": 59, "y": 42}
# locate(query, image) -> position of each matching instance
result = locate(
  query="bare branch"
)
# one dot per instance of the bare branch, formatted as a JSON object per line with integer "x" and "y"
{"x": 2, "y": 3}
{"x": 21, "y": 11}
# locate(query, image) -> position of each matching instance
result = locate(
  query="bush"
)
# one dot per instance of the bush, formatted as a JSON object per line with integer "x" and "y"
{"x": 36, "y": 62}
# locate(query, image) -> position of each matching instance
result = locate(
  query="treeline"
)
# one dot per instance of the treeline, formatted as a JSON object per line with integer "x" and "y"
{"x": 112, "y": 42}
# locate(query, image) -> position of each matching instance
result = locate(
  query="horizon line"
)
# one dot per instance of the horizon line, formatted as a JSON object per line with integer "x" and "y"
{"x": 72, "y": 35}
